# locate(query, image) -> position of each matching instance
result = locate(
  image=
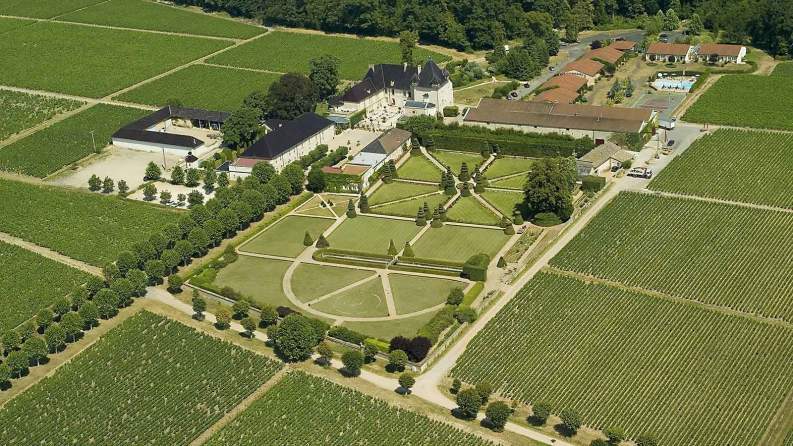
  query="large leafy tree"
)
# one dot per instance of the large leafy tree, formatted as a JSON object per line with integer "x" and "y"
{"x": 291, "y": 96}
{"x": 242, "y": 128}
{"x": 324, "y": 74}
{"x": 295, "y": 338}
{"x": 549, "y": 187}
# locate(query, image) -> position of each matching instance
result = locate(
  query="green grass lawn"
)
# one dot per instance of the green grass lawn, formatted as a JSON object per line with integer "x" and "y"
{"x": 507, "y": 166}
{"x": 43, "y": 9}
{"x": 418, "y": 167}
{"x": 459, "y": 243}
{"x": 148, "y": 15}
{"x": 414, "y": 293}
{"x": 470, "y": 210}
{"x": 386, "y": 330}
{"x": 784, "y": 69}
{"x": 22, "y": 110}
{"x": 67, "y": 141}
{"x": 285, "y": 238}
{"x": 372, "y": 234}
{"x": 311, "y": 281}
{"x": 7, "y": 24}
{"x": 313, "y": 207}
{"x": 202, "y": 86}
{"x": 456, "y": 159}
{"x": 506, "y": 202}
{"x": 90, "y": 61}
{"x": 340, "y": 202}
{"x": 283, "y": 52}
{"x": 398, "y": 190}
{"x": 365, "y": 300}
{"x": 410, "y": 208}
{"x": 516, "y": 183}
{"x": 259, "y": 279}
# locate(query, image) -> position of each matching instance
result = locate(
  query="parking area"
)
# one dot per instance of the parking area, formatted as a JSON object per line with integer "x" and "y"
{"x": 355, "y": 139}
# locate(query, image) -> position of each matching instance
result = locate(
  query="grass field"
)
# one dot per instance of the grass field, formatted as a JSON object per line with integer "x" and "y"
{"x": 398, "y": 190}
{"x": 285, "y": 238}
{"x": 43, "y": 9}
{"x": 285, "y": 52}
{"x": 506, "y": 202}
{"x": 455, "y": 160}
{"x": 414, "y": 293}
{"x": 306, "y": 410}
{"x": 410, "y": 208}
{"x": 418, "y": 167}
{"x": 146, "y": 382}
{"x": 81, "y": 225}
{"x": 459, "y": 243}
{"x": 91, "y": 61}
{"x": 386, "y": 330}
{"x": 313, "y": 207}
{"x": 67, "y": 141}
{"x": 718, "y": 254}
{"x": 310, "y": 281}
{"x": 31, "y": 282}
{"x": 629, "y": 360}
{"x": 142, "y": 14}
{"x": 7, "y": 24}
{"x": 22, "y": 111}
{"x": 508, "y": 165}
{"x": 364, "y": 300}
{"x": 745, "y": 101}
{"x": 202, "y": 86}
{"x": 734, "y": 165}
{"x": 784, "y": 69}
{"x": 261, "y": 280}
{"x": 470, "y": 210}
{"x": 372, "y": 234}
{"x": 515, "y": 183}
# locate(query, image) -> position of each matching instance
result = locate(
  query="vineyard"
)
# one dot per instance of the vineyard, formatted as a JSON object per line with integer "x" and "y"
{"x": 690, "y": 375}
{"x": 44, "y": 9}
{"x": 753, "y": 167}
{"x": 149, "y": 381}
{"x": 714, "y": 253}
{"x": 84, "y": 226}
{"x": 302, "y": 410}
{"x": 67, "y": 141}
{"x": 29, "y": 283}
{"x": 22, "y": 111}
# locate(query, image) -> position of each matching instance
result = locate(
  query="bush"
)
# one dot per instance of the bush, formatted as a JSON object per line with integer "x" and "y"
{"x": 475, "y": 268}
{"x": 592, "y": 183}
{"x": 451, "y": 111}
{"x": 627, "y": 164}
{"x": 468, "y": 403}
{"x": 455, "y": 296}
{"x": 380, "y": 345}
{"x": 435, "y": 326}
{"x": 397, "y": 360}
{"x": 546, "y": 219}
{"x": 175, "y": 283}
{"x": 345, "y": 334}
{"x": 497, "y": 414}
{"x": 465, "y": 314}
{"x": 540, "y": 413}
{"x": 353, "y": 361}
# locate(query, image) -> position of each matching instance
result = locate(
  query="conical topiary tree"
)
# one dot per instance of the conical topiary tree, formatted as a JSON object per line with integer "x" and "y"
{"x": 421, "y": 218}
{"x": 392, "y": 168}
{"x": 479, "y": 188}
{"x": 426, "y": 208}
{"x": 509, "y": 230}
{"x": 408, "y": 251}
{"x": 465, "y": 175}
{"x": 466, "y": 190}
{"x": 363, "y": 203}
{"x": 436, "y": 219}
{"x": 442, "y": 213}
{"x": 477, "y": 173}
{"x": 307, "y": 240}
{"x": 351, "y": 210}
{"x": 501, "y": 262}
{"x": 322, "y": 242}
{"x": 505, "y": 221}
{"x": 392, "y": 251}
{"x": 518, "y": 218}
{"x": 442, "y": 183}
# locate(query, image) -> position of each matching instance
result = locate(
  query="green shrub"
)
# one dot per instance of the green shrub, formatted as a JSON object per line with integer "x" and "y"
{"x": 379, "y": 344}
{"x": 441, "y": 321}
{"x": 546, "y": 219}
{"x": 592, "y": 183}
{"x": 451, "y": 111}
{"x": 507, "y": 142}
{"x": 476, "y": 267}
{"x": 345, "y": 334}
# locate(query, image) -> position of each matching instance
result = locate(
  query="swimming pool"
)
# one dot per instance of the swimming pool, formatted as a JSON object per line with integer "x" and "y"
{"x": 678, "y": 84}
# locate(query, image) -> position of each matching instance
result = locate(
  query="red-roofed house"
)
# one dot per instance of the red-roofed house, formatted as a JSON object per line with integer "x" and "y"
{"x": 606, "y": 54}
{"x": 557, "y": 96}
{"x": 670, "y": 52}
{"x": 587, "y": 68}
{"x": 720, "y": 53}
{"x": 623, "y": 45}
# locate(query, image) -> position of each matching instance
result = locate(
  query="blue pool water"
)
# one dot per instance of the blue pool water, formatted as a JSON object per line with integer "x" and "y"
{"x": 673, "y": 84}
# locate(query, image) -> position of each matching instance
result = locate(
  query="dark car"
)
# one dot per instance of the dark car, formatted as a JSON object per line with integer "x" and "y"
{"x": 526, "y": 85}
{"x": 670, "y": 143}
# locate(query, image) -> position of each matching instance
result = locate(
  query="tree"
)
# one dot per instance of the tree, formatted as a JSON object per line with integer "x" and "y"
{"x": 421, "y": 219}
{"x": 90, "y": 314}
{"x": 268, "y": 316}
{"x": 192, "y": 177}
{"x": 294, "y": 174}
{"x": 671, "y": 21}
{"x": 466, "y": 190}
{"x": 501, "y": 262}
{"x": 646, "y": 440}
{"x": 392, "y": 251}
{"x": 44, "y": 318}
{"x": 456, "y": 384}
{"x": 351, "y": 210}
{"x": 455, "y": 296}
{"x": 210, "y": 178}
{"x": 468, "y": 403}
{"x": 249, "y": 324}
{"x": 540, "y": 412}
{"x": 353, "y": 361}
{"x": 107, "y": 185}
{"x": 72, "y": 324}
{"x": 325, "y": 354}
{"x": 195, "y": 198}
{"x": 242, "y": 127}
{"x": 498, "y": 414}
{"x": 263, "y": 171}
{"x": 408, "y": 251}
{"x": 222, "y": 318}
{"x": 615, "y": 435}
{"x": 407, "y": 43}
{"x": 465, "y": 175}
{"x": 695, "y": 26}
{"x": 55, "y": 336}
{"x": 200, "y": 240}
{"x": 17, "y": 361}
{"x": 549, "y": 187}
{"x": 599, "y": 442}
{"x": 94, "y": 183}
{"x": 407, "y": 381}
{"x": 5, "y": 375}
{"x": 485, "y": 389}
{"x": 177, "y": 175}
{"x": 241, "y": 308}
{"x": 291, "y": 96}
{"x": 397, "y": 359}
{"x": 294, "y": 338}
{"x": 155, "y": 269}
{"x": 139, "y": 281}
{"x": 282, "y": 189}
{"x": 256, "y": 100}
{"x": 123, "y": 188}
{"x": 324, "y": 74}
{"x": 223, "y": 180}
{"x": 149, "y": 192}
{"x": 199, "y": 306}
{"x": 322, "y": 242}
{"x": 36, "y": 349}
{"x": 571, "y": 421}
{"x": 165, "y": 197}
{"x": 175, "y": 283}
{"x": 571, "y": 30}
{"x": 153, "y": 172}
{"x": 307, "y": 240}
{"x": 106, "y": 302}
{"x": 363, "y": 203}
{"x": 316, "y": 180}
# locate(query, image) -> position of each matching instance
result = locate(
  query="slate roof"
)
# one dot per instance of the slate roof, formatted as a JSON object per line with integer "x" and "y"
{"x": 432, "y": 75}
{"x": 360, "y": 91}
{"x": 286, "y": 136}
{"x": 388, "y": 142}
{"x": 138, "y": 130}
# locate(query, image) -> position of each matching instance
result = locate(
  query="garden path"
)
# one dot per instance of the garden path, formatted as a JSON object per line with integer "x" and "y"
{"x": 716, "y": 200}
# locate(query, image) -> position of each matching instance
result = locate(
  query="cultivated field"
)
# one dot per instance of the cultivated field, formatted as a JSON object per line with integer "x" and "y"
{"x": 459, "y": 243}
{"x": 84, "y": 226}
{"x": 149, "y": 381}
{"x": 718, "y": 254}
{"x": 372, "y": 234}
{"x": 202, "y": 86}
{"x": 415, "y": 293}
{"x": 622, "y": 359}
{"x": 470, "y": 210}
{"x": 419, "y": 168}
{"x": 398, "y": 190}
{"x": 745, "y": 101}
{"x": 22, "y": 111}
{"x": 260, "y": 280}
{"x": 43, "y": 9}
{"x": 753, "y": 167}
{"x": 143, "y": 14}
{"x": 506, "y": 202}
{"x": 9, "y": 24}
{"x": 67, "y": 141}
{"x": 285, "y": 238}
{"x": 31, "y": 282}
{"x": 285, "y": 52}
{"x": 302, "y": 410}
{"x": 91, "y": 61}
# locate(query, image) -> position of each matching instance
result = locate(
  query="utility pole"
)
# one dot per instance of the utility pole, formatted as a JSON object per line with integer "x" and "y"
{"x": 93, "y": 141}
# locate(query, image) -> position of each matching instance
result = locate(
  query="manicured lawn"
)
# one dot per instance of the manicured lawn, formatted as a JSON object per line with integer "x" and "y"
{"x": 517, "y": 182}
{"x": 22, "y": 110}
{"x": 202, "y": 86}
{"x": 365, "y": 300}
{"x": 285, "y": 238}
{"x": 311, "y": 281}
{"x": 67, "y": 141}
{"x": 410, "y": 208}
{"x": 43, "y": 9}
{"x": 340, "y": 202}
{"x": 456, "y": 159}
{"x": 284, "y": 52}
{"x": 312, "y": 207}
{"x": 470, "y": 210}
{"x": 398, "y": 190}
{"x": 372, "y": 234}
{"x": 459, "y": 243}
{"x": 506, "y": 202}
{"x": 386, "y": 330}
{"x": 143, "y": 14}
{"x": 31, "y": 282}
{"x": 414, "y": 293}
{"x": 89, "y": 61}
{"x": 418, "y": 167}
{"x": 259, "y": 279}
{"x": 784, "y": 69}
{"x": 507, "y": 166}
{"x": 81, "y": 225}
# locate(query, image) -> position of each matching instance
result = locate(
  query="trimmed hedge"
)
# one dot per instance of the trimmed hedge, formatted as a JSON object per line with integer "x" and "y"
{"x": 355, "y": 118}
{"x": 472, "y": 294}
{"x": 440, "y": 322}
{"x": 423, "y": 269}
{"x": 451, "y": 111}
{"x": 345, "y": 334}
{"x": 507, "y": 142}
{"x": 593, "y": 183}
{"x": 476, "y": 267}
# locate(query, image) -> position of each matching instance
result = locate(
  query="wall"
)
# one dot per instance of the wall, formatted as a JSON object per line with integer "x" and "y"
{"x": 154, "y": 147}
{"x": 530, "y": 129}
{"x": 442, "y": 97}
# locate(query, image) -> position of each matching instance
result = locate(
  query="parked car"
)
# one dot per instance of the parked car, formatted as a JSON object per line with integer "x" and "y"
{"x": 664, "y": 40}
{"x": 640, "y": 172}
{"x": 526, "y": 85}
{"x": 670, "y": 143}
{"x": 551, "y": 68}
{"x": 513, "y": 93}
